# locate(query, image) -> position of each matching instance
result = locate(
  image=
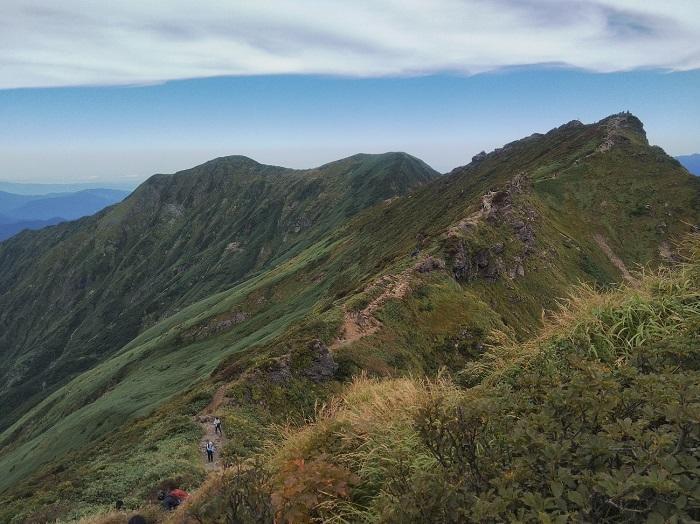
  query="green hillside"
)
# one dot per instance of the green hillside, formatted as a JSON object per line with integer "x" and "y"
{"x": 594, "y": 420}
{"x": 72, "y": 295}
{"x": 410, "y": 285}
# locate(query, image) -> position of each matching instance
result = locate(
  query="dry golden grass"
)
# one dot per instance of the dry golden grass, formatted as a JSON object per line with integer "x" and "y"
{"x": 367, "y": 407}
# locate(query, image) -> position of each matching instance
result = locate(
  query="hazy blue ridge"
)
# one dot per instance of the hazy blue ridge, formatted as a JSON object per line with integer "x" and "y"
{"x": 10, "y": 229}
{"x": 690, "y": 162}
{"x": 19, "y": 212}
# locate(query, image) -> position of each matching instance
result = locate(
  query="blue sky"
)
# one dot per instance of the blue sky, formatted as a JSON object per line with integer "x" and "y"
{"x": 125, "y": 89}
{"x": 303, "y": 121}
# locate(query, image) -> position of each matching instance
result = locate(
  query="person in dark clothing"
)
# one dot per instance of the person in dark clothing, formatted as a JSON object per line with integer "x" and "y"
{"x": 169, "y": 502}
{"x": 210, "y": 451}
{"x": 217, "y": 426}
{"x": 137, "y": 519}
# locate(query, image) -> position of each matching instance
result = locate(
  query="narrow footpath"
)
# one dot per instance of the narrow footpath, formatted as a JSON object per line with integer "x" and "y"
{"x": 206, "y": 420}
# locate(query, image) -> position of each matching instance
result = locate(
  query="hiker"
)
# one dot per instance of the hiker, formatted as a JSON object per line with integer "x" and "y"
{"x": 169, "y": 502}
{"x": 210, "y": 451}
{"x": 180, "y": 494}
{"x": 217, "y": 426}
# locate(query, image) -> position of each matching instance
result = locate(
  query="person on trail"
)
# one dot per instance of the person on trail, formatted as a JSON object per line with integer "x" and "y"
{"x": 180, "y": 494}
{"x": 217, "y": 426}
{"x": 169, "y": 502}
{"x": 210, "y": 451}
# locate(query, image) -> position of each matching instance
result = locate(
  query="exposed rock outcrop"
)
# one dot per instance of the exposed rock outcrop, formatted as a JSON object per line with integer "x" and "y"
{"x": 479, "y": 157}
{"x": 469, "y": 263}
{"x": 430, "y": 264}
{"x": 618, "y": 128}
{"x": 315, "y": 363}
{"x": 322, "y": 366}
{"x": 498, "y": 208}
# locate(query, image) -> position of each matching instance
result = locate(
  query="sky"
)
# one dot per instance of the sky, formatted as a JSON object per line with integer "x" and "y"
{"x": 121, "y": 90}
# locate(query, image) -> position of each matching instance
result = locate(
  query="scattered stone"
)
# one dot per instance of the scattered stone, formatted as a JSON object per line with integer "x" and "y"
{"x": 233, "y": 247}
{"x": 482, "y": 258}
{"x": 277, "y": 371}
{"x": 323, "y": 366}
{"x": 300, "y": 224}
{"x": 429, "y": 264}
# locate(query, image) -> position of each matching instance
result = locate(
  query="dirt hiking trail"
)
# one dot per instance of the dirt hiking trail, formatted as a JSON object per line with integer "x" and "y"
{"x": 616, "y": 261}
{"x": 359, "y": 324}
{"x": 206, "y": 420}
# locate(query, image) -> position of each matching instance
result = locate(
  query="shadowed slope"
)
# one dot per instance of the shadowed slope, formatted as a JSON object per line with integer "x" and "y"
{"x": 73, "y": 294}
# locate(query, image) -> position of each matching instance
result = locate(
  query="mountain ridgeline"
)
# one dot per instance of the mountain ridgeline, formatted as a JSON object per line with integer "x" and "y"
{"x": 176, "y": 239}
{"x": 262, "y": 290}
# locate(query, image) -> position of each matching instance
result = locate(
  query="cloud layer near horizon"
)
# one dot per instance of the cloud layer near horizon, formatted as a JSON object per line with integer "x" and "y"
{"x": 79, "y": 42}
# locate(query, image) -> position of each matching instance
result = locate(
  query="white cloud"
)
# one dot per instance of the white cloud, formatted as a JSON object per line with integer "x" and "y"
{"x": 79, "y": 42}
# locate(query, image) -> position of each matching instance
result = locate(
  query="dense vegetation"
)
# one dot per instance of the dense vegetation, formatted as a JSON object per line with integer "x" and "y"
{"x": 178, "y": 238}
{"x": 596, "y": 420}
{"x": 409, "y": 286}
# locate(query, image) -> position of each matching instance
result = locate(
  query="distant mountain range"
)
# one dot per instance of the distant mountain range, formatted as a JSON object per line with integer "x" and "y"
{"x": 691, "y": 162}
{"x": 9, "y": 228}
{"x": 19, "y": 211}
{"x": 31, "y": 189}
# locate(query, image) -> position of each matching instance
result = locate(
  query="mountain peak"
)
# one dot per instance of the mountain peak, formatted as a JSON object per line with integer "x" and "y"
{"x": 233, "y": 161}
{"x": 625, "y": 124}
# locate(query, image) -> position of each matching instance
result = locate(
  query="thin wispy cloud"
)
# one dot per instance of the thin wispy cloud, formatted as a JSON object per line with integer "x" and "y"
{"x": 80, "y": 42}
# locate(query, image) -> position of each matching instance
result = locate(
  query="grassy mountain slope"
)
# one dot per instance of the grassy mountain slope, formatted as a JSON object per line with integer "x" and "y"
{"x": 594, "y": 420}
{"x": 409, "y": 285}
{"x": 176, "y": 239}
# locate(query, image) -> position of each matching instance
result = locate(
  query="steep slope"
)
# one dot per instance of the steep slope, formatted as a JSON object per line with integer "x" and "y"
{"x": 73, "y": 294}
{"x": 595, "y": 420}
{"x": 413, "y": 285}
